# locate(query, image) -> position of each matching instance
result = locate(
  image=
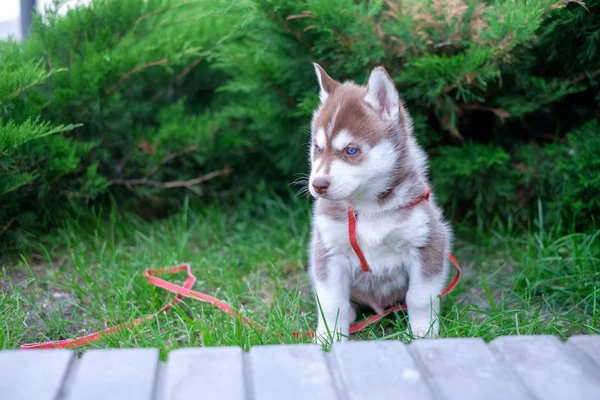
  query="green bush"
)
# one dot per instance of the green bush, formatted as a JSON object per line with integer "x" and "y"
{"x": 36, "y": 161}
{"x": 481, "y": 79}
{"x": 150, "y": 101}
{"x": 116, "y": 95}
{"x": 567, "y": 175}
{"x": 474, "y": 177}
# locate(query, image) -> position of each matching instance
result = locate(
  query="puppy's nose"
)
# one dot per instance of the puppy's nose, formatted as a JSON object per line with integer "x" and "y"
{"x": 321, "y": 185}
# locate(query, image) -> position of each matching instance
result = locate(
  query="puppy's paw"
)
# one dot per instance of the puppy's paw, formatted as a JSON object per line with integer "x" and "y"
{"x": 324, "y": 337}
{"x": 352, "y": 314}
{"x": 321, "y": 337}
{"x": 424, "y": 331}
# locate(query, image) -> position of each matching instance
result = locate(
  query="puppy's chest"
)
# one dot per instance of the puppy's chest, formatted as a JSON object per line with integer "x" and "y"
{"x": 384, "y": 240}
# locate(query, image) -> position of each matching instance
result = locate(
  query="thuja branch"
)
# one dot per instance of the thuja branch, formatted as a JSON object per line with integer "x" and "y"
{"x": 171, "y": 156}
{"x": 498, "y": 111}
{"x": 133, "y": 71}
{"x": 155, "y": 12}
{"x": 173, "y": 184}
{"x": 188, "y": 69}
{"x": 288, "y": 29}
{"x": 39, "y": 81}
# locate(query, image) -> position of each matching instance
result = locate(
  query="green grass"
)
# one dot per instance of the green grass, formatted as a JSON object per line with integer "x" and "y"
{"x": 252, "y": 255}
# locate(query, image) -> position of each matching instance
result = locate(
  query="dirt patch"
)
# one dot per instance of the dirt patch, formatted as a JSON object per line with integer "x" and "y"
{"x": 44, "y": 308}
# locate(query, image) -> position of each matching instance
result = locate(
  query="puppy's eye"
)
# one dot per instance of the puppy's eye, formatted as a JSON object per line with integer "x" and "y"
{"x": 318, "y": 149}
{"x": 351, "y": 150}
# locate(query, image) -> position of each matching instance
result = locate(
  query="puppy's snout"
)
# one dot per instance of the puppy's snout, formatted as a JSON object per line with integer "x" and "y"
{"x": 321, "y": 185}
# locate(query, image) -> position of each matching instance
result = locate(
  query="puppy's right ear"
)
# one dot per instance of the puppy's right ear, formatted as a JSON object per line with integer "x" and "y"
{"x": 326, "y": 83}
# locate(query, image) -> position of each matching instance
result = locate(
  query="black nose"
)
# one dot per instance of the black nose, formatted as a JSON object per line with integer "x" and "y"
{"x": 321, "y": 185}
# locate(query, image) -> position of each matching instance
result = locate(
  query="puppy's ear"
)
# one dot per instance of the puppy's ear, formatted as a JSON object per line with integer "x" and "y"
{"x": 326, "y": 83}
{"x": 382, "y": 95}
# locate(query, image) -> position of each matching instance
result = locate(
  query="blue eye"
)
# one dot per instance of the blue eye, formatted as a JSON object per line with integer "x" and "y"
{"x": 317, "y": 148}
{"x": 351, "y": 150}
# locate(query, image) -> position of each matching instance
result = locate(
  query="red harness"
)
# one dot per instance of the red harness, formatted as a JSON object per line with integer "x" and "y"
{"x": 186, "y": 291}
{"x": 352, "y": 216}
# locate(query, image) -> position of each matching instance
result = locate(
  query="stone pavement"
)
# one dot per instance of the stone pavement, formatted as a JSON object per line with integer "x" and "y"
{"x": 511, "y": 367}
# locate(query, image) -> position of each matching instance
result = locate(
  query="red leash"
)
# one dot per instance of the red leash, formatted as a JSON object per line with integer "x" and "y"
{"x": 151, "y": 275}
{"x": 186, "y": 291}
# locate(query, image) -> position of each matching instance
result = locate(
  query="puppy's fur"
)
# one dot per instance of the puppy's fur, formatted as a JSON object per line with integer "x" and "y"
{"x": 363, "y": 154}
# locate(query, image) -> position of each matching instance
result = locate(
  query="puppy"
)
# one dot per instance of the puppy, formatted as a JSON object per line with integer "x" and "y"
{"x": 364, "y": 158}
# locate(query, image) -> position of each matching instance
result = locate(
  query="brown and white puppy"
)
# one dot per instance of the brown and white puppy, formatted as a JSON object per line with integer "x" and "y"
{"x": 363, "y": 154}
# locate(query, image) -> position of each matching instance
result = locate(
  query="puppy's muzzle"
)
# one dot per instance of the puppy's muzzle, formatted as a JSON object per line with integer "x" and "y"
{"x": 321, "y": 185}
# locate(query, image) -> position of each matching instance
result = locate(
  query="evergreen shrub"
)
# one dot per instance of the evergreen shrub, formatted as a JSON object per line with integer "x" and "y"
{"x": 483, "y": 80}
{"x": 152, "y": 100}
{"x": 115, "y": 96}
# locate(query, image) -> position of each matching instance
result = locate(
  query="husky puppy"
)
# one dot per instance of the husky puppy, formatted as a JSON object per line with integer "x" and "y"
{"x": 363, "y": 155}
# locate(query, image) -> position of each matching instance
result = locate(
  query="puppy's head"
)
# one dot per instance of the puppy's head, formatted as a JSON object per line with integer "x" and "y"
{"x": 357, "y": 137}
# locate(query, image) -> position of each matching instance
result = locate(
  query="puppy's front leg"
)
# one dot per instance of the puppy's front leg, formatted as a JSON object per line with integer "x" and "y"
{"x": 333, "y": 304}
{"x": 422, "y": 298}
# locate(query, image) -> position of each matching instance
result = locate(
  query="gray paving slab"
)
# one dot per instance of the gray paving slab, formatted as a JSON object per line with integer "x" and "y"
{"x": 207, "y": 373}
{"x": 289, "y": 372}
{"x": 160, "y": 387}
{"x": 590, "y": 345}
{"x": 514, "y": 367}
{"x": 379, "y": 370}
{"x": 33, "y": 374}
{"x": 547, "y": 368}
{"x": 116, "y": 374}
{"x": 462, "y": 369}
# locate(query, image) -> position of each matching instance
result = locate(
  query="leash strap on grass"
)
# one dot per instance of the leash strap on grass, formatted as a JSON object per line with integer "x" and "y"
{"x": 185, "y": 291}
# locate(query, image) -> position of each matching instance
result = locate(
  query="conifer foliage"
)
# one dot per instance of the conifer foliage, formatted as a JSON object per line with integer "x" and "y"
{"x": 150, "y": 100}
{"x": 111, "y": 96}
{"x": 487, "y": 83}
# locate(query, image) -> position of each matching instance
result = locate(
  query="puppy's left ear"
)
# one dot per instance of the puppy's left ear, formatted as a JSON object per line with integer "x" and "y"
{"x": 327, "y": 84}
{"x": 382, "y": 95}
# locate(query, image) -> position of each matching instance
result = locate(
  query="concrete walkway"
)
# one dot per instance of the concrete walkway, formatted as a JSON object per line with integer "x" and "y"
{"x": 515, "y": 367}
